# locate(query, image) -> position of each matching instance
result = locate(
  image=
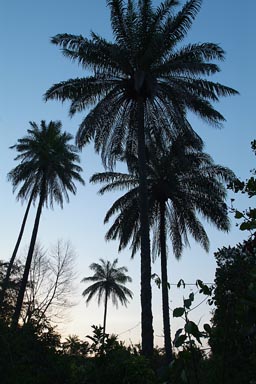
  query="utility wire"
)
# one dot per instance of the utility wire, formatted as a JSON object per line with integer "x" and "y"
{"x": 130, "y": 329}
{"x": 191, "y": 284}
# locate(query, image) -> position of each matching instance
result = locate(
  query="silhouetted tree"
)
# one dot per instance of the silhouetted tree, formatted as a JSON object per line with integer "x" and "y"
{"x": 141, "y": 86}
{"x": 108, "y": 282}
{"x": 183, "y": 184}
{"x": 49, "y": 289}
{"x": 233, "y": 335}
{"x": 11, "y": 289}
{"x": 48, "y": 167}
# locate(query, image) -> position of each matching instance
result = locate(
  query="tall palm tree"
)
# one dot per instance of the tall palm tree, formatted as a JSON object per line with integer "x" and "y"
{"x": 47, "y": 170}
{"x": 141, "y": 86}
{"x": 6, "y": 279}
{"x": 183, "y": 184}
{"x": 108, "y": 282}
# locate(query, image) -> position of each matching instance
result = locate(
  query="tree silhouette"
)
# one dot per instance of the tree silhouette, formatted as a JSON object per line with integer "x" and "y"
{"x": 142, "y": 85}
{"x": 48, "y": 168}
{"x": 183, "y": 184}
{"x": 108, "y": 282}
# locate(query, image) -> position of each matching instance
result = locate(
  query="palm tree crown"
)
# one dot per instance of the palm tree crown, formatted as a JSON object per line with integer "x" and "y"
{"x": 145, "y": 64}
{"x": 109, "y": 280}
{"x": 185, "y": 180}
{"x": 48, "y": 162}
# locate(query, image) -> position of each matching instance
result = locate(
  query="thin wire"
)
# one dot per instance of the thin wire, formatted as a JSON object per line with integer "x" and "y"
{"x": 130, "y": 329}
{"x": 190, "y": 284}
{"x": 199, "y": 304}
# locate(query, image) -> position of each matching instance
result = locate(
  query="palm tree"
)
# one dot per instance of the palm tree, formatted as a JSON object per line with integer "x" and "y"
{"x": 142, "y": 85}
{"x": 6, "y": 279}
{"x": 108, "y": 282}
{"x": 75, "y": 347}
{"x": 47, "y": 170}
{"x": 183, "y": 183}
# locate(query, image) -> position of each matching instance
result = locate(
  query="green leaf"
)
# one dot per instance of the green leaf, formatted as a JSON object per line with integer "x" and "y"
{"x": 177, "y": 334}
{"x": 204, "y": 288}
{"x": 191, "y": 297}
{"x": 180, "y": 340}
{"x": 245, "y": 226}
{"x": 252, "y": 213}
{"x": 187, "y": 303}
{"x": 238, "y": 215}
{"x": 251, "y": 187}
{"x": 181, "y": 282}
{"x": 178, "y": 312}
{"x": 207, "y": 328}
{"x": 192, "y": 329}
{"x": 206, "y": 291}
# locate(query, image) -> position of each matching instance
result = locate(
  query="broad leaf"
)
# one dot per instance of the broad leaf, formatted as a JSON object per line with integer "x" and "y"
{"x": 207, "y": 328}
{"x": 192, "y": 329}
{"x": 177, "y": 334}
{"x": 180, "y": 340}
{"x": 238, "y": 215}
{"x": 178, "y": 312}
{"x": 191, "y": 297}
{"x": 187, "y": 303}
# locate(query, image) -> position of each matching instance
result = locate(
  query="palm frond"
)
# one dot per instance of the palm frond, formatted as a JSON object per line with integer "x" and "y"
{"x": 118, "y": 11}
{"x": 179, "y": 25}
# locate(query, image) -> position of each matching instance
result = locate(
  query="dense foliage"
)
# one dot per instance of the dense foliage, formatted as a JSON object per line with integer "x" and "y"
{"x": 233, "y": 339}
{"x": 38, "y": 358}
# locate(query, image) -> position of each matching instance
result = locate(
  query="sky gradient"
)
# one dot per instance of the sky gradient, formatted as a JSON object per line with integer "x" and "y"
{"x": 30, "y": 64}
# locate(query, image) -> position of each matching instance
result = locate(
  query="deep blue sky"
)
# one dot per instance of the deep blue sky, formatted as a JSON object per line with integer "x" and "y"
{"x": 30, "y": 64}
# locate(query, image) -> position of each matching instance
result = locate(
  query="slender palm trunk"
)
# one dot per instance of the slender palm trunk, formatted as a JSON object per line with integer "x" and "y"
{"x": 146, "y": 294}
{"x": 14, "y": 254}
{"x": 105, "y": 319}
{"x": 24, "y": 281}
{"x": 165, "y": 298}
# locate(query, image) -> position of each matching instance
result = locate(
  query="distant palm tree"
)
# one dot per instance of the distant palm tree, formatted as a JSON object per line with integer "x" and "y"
{"x": 108, "y": 282}
{"x": 47, "y": 170}
{"x": 183, "y": 183}
{"x": 75, "y": 347}
{"x": 141, "y": 86}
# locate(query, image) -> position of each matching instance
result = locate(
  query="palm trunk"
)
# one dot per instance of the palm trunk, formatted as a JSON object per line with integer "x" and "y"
{"x": 146, "y": 295}
{"x": 24, "y": 281}
{"x": 105, "y": 319}
{"x": 165, "y": 294}
{"x": 14, "y": 254}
